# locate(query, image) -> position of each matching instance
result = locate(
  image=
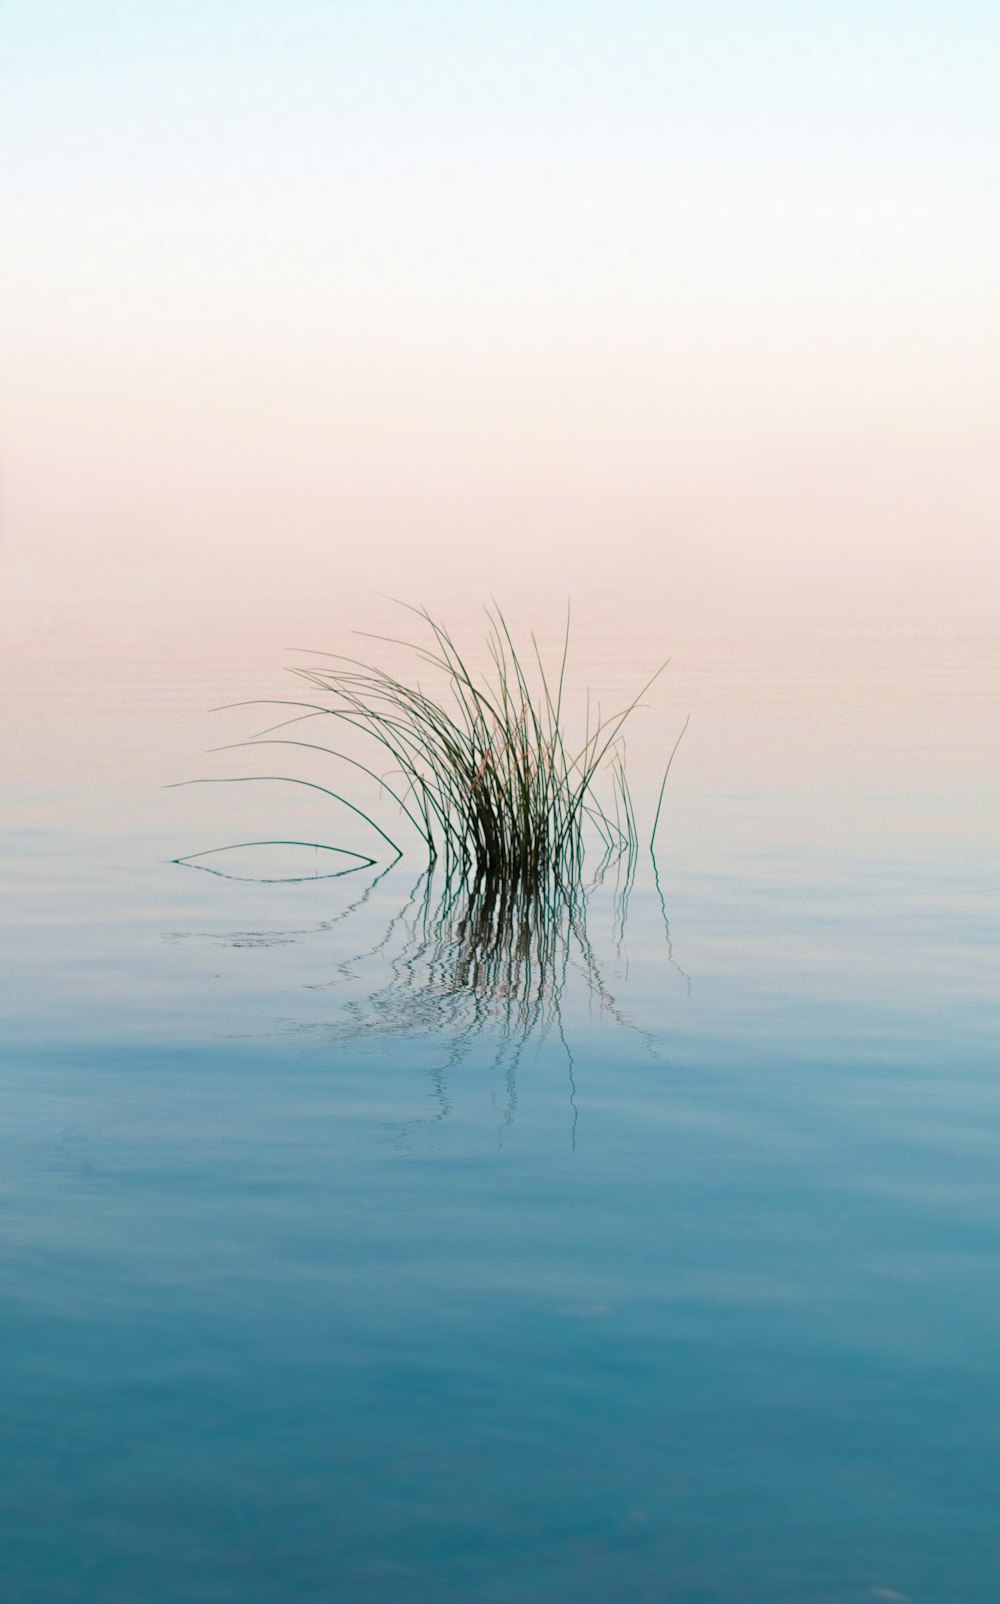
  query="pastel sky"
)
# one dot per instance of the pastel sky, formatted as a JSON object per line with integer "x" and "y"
{"x": 705, "y": 286}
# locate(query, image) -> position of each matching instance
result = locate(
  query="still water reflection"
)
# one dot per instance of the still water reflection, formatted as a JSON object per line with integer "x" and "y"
{"x": 369, "y": 1240}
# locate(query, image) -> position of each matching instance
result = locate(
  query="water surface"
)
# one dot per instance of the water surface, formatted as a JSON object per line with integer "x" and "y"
{"x": 329, "y": 1277}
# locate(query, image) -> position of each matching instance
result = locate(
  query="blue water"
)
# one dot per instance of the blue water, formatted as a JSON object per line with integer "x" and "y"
{"x": 326, "y": 1281}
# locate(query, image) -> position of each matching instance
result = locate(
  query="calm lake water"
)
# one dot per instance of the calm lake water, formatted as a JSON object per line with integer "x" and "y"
{"x": 333, "y": 1275}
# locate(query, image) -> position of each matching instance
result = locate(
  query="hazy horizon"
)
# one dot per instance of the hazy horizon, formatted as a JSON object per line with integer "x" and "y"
{"x": 379, "y": 297}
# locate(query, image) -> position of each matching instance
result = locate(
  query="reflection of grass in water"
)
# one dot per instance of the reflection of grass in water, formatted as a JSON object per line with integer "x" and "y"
{"x": 476, "y": 957}
{"x": 477, "y": 961}
{"x": 469, "y": 959}
{"x": 482, "y": 766}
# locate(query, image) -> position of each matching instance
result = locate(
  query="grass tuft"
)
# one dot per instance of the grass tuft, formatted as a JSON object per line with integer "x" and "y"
{"x": 481, "y": 764}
